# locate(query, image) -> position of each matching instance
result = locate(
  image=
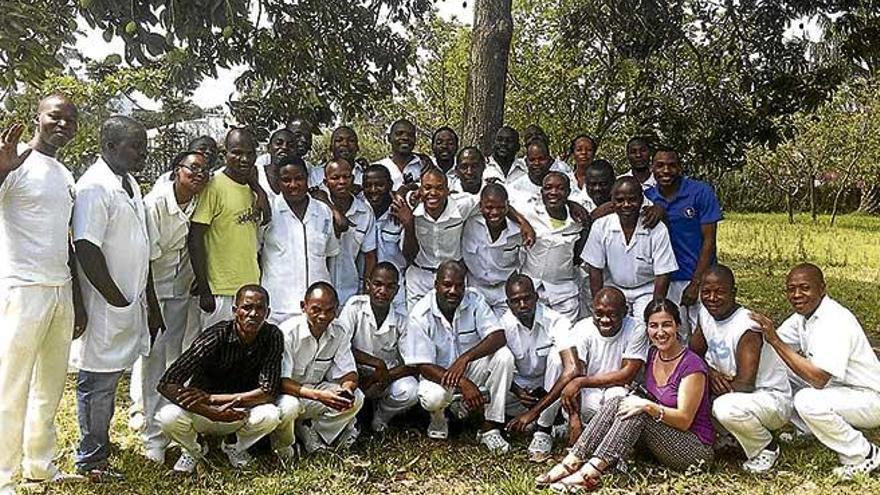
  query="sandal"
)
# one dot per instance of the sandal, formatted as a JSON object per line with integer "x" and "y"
{"x": 577, "y": 482}
{"x": 557, "y": 472}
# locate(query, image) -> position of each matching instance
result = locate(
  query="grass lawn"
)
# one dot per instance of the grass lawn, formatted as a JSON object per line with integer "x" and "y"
{"x": 760, "y": 249}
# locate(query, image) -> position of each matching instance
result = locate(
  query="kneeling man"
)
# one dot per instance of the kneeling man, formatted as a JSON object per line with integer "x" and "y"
{"x": 458, "y": 345}
{"x": 225, "y": 384}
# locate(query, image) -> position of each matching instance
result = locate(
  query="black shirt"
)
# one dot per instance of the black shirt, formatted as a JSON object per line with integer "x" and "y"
{"x": 218, "y": 362}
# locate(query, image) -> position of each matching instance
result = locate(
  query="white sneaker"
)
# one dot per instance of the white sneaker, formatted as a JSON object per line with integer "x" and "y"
{"x": 850, "y": 471}
{"x": 761, "y": 463}
{"x": 238, "y": 458}
{"x": 310, "y": 439}
{"x": 493, "y": 440}
{"x": 378, "y": 424}
{"x": 136, "y": 421}
{"x": 439, "y": 427}
{"x": 540, "y": 447}
{"x": 560, "y": 431}
{"x": 187, "y": 463}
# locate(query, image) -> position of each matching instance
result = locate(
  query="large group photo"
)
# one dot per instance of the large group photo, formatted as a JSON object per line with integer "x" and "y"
{"x": 385, "y": 246}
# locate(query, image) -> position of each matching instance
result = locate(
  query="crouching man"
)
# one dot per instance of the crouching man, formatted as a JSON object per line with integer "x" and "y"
{"x": 225, "y": 384}
{"x": 458, "y": 345}
{"x": 320, "y": 399}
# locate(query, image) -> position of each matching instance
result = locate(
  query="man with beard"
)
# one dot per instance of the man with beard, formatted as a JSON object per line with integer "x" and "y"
{"x": 638, "y": 155}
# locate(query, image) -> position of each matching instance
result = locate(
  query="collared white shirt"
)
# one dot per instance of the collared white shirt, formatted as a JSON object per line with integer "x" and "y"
{"x": 359, "y": 239}
{"x": 648, "y": 184}
{"x": 629, "y": 266}
{"x": 106, "y": 216}
{"x": 551, "y": 332}
{"x": 490, "y": 262}
{"x": 316, "y": 174}
{"x": 602, "y": 354}
{"x": 722, "y": 340}
{"x": 833, "y": 340}
{"x": 168, "y": 228}
{"x": 358, "y": 319}
{"x": 413, "y": 168}
{"x": 520, "y": 169}
{"x": 431, "y": 339}
{"x": 295, "y": 253}
{"x": 36, "y": 202}
{"x": 440, "y": 240}
{"x": 550, "y": 262}
{"x": 389, "y": 241}
{"x": 311, "y": 361}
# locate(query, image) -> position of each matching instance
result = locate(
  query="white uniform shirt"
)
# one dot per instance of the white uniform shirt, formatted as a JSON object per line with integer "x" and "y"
{"x": 360, "y": 238}
{"x": 389, "y": 241}
{"x": 168, "y": 227}
{"x": 722, "y": 338}
{"x": 36, "y": 201}
{"x": 358, "y": 319}
{"x": 316, "y": 173}
{"x": 603, "y": 354}
{"x": 431, "y": 339}
{"x": 295, "y": 253}
{"x": 107, "y": 217}
{"x": 629, "y": 266}
{"x": 520, "y": 169}
{"x": 311, "y": 361}
{"x": 833, "y": 340}
{"x": 413, "y": 168}
{"x": 440, "y": 240}
{"x": 648, "y": 184}
{"x": 551, "y": 332}
{"x": 550, "y": 262}
{"x": 489, "y": 262}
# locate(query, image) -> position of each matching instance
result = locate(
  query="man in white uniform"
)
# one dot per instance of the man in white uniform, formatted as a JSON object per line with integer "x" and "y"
{"x": 835, "y": 373}
{"x": 320, "y": 399}
{"x": 471, "y": 173}
{"x": 458, "y": 345}
{"x": 747, "y": 378}
{"x": 404, "y": 165}
{"x": 376, "y": 328}
{"x": 389, "y": 231}
{"x": 113, "y": 251}
{"x": 622, "y": 252}
{"x": 638, "y": 155}
{"x": 37, "y": 316}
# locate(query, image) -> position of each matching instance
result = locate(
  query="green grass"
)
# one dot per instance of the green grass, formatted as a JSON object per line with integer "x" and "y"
{"x": 760, "y": 248}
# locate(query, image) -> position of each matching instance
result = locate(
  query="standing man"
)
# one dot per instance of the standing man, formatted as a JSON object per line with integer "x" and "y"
{"x": 223, "y": 234}
{"x": 458, "y": 345}
{"x": 469, "y": 174}
{"x": 444, "y": 146}
{"x": 403, "y": 164}
{"x": 638, "y": 155}
{"x": 282, "y": 144}
{"x": 37, "y": 317}
{"x": 693, "y": 213}
{"x": 113, "y": 250}
{"x": 344, "y": 145}
{"x": 389, "y": 231}
{"x": 502, "y": 162}
{"x": 834, "y": 371}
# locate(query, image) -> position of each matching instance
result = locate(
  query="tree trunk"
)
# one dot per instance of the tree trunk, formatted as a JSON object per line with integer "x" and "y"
{"x": 870, "y": 201}
{"x": 487, "y": 73}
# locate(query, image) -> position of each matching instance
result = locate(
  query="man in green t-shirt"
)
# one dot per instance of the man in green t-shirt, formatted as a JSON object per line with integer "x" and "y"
{"x": 223, "y": 234}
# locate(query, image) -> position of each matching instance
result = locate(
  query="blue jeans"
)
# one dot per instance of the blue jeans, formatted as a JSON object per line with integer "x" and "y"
{"x": 95, "y": 403}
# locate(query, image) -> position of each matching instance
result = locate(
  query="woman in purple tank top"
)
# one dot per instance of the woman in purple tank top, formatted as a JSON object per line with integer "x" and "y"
{"x": 674, "y": 423}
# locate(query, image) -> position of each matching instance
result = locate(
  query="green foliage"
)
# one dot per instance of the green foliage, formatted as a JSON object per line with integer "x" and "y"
{"x": 32, "y": 35}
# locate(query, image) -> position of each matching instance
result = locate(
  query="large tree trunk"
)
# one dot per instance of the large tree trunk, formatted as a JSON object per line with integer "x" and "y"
{"x": 487, "y": 72}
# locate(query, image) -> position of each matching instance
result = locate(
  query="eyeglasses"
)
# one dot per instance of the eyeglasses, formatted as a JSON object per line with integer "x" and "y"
{"x": 204, "y": 172}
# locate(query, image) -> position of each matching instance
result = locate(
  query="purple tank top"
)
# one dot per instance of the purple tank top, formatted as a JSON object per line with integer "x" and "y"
{"x": 667, "y": 395}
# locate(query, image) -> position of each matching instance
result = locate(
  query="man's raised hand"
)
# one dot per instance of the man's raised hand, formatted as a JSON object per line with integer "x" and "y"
{"x": 9, "y": 157}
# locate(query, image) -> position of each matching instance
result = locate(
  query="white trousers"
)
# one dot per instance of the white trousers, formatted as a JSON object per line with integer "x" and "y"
{"x": 552, "y": 372}
{"x": 36, "y": 326}
{"x": 493, "y": 372}
{"x": 833, "y": 415}
{"x": 396, "y": 398}
{"x": 493, "y": 294}
{"x": 689, "y": 314}
{"x": 327, "y": 422}
{"x": 418, "y": 283}
{"x": 184, "y": 427}
{"x": 592, "y": 399}
{"x": 222, "y": 311}
{"x": 568, "y": 305}
{"x": 750, "y": 417}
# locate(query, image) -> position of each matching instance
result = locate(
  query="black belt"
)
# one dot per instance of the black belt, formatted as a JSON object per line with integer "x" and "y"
{"x": 427, "y": 269}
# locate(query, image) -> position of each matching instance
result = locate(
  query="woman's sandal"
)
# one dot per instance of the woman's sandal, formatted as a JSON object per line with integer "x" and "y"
{"x": 577, "y": 482}
{"x": 556, "y": 473}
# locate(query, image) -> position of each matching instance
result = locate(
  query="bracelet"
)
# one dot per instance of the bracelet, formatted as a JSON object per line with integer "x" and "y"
{"x": 659, "y": 417}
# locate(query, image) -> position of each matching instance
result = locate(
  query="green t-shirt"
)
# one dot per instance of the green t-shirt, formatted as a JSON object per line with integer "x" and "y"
{"x": 230, "y": 211}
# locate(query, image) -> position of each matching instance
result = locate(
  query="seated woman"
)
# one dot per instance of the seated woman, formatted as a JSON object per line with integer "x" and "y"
{"x": 675, "y": 424}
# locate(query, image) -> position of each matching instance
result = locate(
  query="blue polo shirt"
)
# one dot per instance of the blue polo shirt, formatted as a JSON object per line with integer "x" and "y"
{"x": 694, "y": 205}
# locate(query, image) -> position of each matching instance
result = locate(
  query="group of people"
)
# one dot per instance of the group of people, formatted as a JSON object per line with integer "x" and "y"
{"x": 262, "y": 299}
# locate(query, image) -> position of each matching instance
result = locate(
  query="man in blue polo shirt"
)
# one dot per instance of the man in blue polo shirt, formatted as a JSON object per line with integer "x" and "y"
{"x": 693, "y": 213}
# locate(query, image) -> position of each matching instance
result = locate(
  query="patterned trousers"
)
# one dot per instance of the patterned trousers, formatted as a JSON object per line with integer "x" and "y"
{"x": 611, "y": 439}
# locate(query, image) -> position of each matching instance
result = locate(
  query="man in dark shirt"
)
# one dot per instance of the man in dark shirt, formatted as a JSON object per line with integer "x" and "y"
{"x": 225, "y": 384}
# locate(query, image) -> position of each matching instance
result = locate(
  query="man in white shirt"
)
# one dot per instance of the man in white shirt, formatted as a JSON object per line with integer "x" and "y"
{"x": 638, "y": 154}
{"x": 320, "y": 399}
{"x": 376, "y": 328}
{"x": 357, "y": 254}
{"x": 113, "y": 251}
{"x": 169, "y": 207}
{"x": 504, "y": 150}
{"x": 282, "y": 144}
{"x": 540, "y": 341}
{"x": 613, "y": 347}
{"x": 491, "y": 248}
{"x": 458, "y": 345}
{"x": 747, "y": 378}
{"x": 389, "y": 231}
{"x": 403, "y": 164}
{"x": 622, "y": 252}
{"x": 37, "y": 317}
{"x": 470, "y": 173}
{"x": 298, "y": 244}
{"x": 835, "y": 373}
{"x": 344, "y": 145}
{"x": 444, "y": 147}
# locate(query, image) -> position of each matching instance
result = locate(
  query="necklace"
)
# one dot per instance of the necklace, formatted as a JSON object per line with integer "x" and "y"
{"x": 672, "y": 358}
